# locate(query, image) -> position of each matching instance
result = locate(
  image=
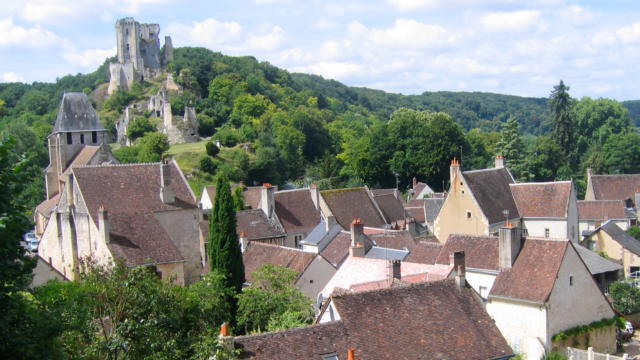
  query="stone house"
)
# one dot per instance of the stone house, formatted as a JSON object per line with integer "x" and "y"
{"x": 143, "y": 214}
{"x": 433, "y": 320}
{"x": 618, "y": 245}
{"x": 420, "y": 190}
{"x": 313, "y": 270}
{"x": 594, "y": 213}
{"x": 547, "y": 289}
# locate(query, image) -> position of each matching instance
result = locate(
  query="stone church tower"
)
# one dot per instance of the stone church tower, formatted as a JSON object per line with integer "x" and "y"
{"x": 139, "y": 55}
{"x": 78, "y": 138}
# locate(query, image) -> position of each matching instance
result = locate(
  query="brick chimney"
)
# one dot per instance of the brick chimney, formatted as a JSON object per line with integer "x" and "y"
{"x": 457, "y": 259}
{"x": 360, "y": 244}
{"x": 394, "y": 269}
{"x": 509, "y": 242}
{"x": 499, "y": 161}
{"x": 351, "y": 354}
{"x": 315, "y": 195}
{"x": 167, "y": 195}
{"x": 267, "y": 202}
{"x": 225, "y": 340}
{"x": 454, "y": 170}
{"x": 103, "y": 224}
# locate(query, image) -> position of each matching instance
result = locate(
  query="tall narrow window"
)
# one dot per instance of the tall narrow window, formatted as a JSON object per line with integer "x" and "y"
{"x": 94, "y": 137}
{"x": 546, "y": 232}
{"x": 69, "y": 138}
{"x": 81, "y": 138}
{"x": 570, "y": 280}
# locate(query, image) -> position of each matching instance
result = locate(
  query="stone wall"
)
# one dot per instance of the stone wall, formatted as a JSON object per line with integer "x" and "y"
{"x": 603, "y": 340}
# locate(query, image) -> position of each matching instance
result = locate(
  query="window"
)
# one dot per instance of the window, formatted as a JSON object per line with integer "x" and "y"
{"x": 468, "y": 214}
{"x": 297, "y": 240}
{"x": 69, "y": 138}
{"x": 483, "y": 291}
{"x": 546, "y": 232}
{"x": 570, "y": 280}
{"x": 94, "y": 137}
{"x": 81, "y": 138}
{"x": 332, "y": 356}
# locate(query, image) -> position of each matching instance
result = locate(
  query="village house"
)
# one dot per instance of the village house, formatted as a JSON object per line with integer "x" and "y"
{"x": 250, "y": 194}
{"x": 624, "y": 187}
{"x": 615, "y": 243}
{"x": 420, "y": 190}
{"x": 546, "y": 290}
{"x": 433, "y": 320}
{"x": 594, "y": 213}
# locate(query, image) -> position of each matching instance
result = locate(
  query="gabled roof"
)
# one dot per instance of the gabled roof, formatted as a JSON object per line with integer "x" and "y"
{"x": 351, "y": 203}
{"x": 391, "y": 207}
{"x": 416, "y": 213}
{"x": 534, "y": 272}
{"x": 621, "y": 237}
{"x": 257, "y": 254}
{"x": 131, "y": 195}
{"x": 47, "y": 206}
{"x": 338, "y": 249}
{"x": 433, "y": 320}
{"x": 393, "y": 239}
{"x": 76, "y": 114}
{"x": 542, "y": 200}
{"x": 83, "y": 157}
{"x": 418, "y": 188}
{"x": 481, "y": 252}
{"x": 377, "y": 192}
{"x": 490, "y": 188}
{"x": 615, "y": 187}
{"x": 601, "y": 209}
{"x": 252, "y": 195}
{"x": 433, "y": 206}
{"x": 296, "y": 210}
{"x": 256, "y": 225}
{"x": 596, "y": 263}
{"x": 425, "y": 252}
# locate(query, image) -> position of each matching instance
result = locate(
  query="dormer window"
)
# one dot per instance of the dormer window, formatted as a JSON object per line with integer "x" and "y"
{"x": 332, "y": 356}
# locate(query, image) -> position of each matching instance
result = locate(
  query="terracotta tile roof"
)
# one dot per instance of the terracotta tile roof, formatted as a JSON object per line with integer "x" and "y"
{"x": 534, "y": 272}
{"x": 391, "y": 207}
{"x": 296, "y": 210}
{"x": 490, "y": 188}
{"x": 252, "y": 196}
{"x": 394, "y": 239}
{"x": 131, "y": 194}
{"x": 417, "y": 213}
{"x": 418, "y": 189}
{"x": 387, "y": 283}
{"x": 615, "y": 187}
{"x": 481, "y": 252}
{"x": 47, "y": 206}
{"x": 433, "y": 320}
{"x": 377, "y": 192}
{"x": 257, "y": 254}
{"x": 601, "y": 209}
{"x": 425, "y": 252}
{"x": 256, "y": 225}
{"x": 348, "y": 204}
{"x": 415, "y": 203}
{"x": 338, "y": 249}
{"x": 550, "y": 199}
{"x": 82, "y": 158}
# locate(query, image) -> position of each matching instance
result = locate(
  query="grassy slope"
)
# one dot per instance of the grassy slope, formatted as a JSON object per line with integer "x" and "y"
{"x": 187, "y": 156}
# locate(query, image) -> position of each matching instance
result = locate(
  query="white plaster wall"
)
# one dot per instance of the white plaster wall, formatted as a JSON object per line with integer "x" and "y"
{"x": 523, "y": 325}
{"x": 330, "y": 314}
{"x": 315, "y": 277}
{"x": 536, "y": 227}
{"x": 477, "y": 279}
{"x": 205, "y": 201}
{"x": 577, "y": 304}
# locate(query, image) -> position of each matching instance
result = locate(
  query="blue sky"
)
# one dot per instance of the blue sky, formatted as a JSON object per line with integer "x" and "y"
{"x": 407, "y": 46}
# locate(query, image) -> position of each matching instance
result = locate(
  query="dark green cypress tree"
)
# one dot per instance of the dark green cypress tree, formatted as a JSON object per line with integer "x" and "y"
{"x": 563, "y": 127}
{"x": 224, "y": 249}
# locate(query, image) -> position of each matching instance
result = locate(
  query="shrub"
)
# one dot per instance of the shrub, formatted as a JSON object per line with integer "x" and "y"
{"x": 138, "y": 127}
{"x": 207, "y": 165}
{"x": 212, "y": 149}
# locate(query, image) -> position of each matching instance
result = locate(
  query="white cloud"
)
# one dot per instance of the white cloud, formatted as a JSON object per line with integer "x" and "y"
{"x": 210, "y": 32}
{"x": 269, "y": 41}
{"x": 408, "y": 33}
{"x": 414, "y": 4}
{"x": 332, "y": 69}
{"x": 89, "y": 59}
{"x": 11, "y": 77}
{"x": 511, "y": 21}
{"x": 59, "y": 11}
{"x": 578, "y": 16}
{"x": 629, "y": 34}
{"x": 323, "y": 24}
{"x": 33, "y": 37}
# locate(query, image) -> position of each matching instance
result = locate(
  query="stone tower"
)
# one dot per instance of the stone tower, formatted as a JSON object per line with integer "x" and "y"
{"x": 139, "y": 55}
{"x": 77, "y": 126}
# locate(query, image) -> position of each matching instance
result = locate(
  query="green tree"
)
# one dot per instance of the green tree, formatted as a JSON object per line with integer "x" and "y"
{"x": 544, "y": 160}
{"x": 634, "y": 231}
{"x": 273, "y": 302}
{"x": 238, "y": 198}
{"x": 563, "y": 124}
{"x": 626, "y": 297}
{"x": 511, "y": 146}
{"x": 207, "y": 165}
{"x": 212, "y": 149}
{"x": 225, "y": 256}
{"x": 138, "y": 127}
{"x": 152, "y": 147}
{"x": 621, "y": 153}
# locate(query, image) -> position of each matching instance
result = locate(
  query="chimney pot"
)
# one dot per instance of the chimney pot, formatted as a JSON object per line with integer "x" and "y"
{"x": 351, "y": 354}
{"x": 499, "y": 162}
{"x": 266, "y": 185}
{"x": 224, "y": 329}
{"x": 396, "y": 267}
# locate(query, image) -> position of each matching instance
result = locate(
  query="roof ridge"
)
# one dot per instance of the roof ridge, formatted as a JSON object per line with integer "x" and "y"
{"x": 404, "y": 288}
{"x": 117, "y": 165}
{"x": 480, "y": 170}
{"x": 291, "y": 330}
{"x": 291, "y": 190}
{"x": 542, "y": 182}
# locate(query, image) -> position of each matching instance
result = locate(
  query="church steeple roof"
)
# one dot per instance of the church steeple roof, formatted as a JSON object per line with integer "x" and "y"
{"x": 76, "y": 114}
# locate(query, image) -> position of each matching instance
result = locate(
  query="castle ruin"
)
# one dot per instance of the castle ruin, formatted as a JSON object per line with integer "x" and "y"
{"x": 139, "y": 54}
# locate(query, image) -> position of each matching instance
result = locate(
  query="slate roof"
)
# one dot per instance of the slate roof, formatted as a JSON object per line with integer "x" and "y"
{"x": 481, "y": 252}
{"x": 76, "y": 114}
{"x": 425, "y": 252}
{"x": 534, "y": 272}
{"x": 351, "y": 203}
{"x": 256, "y": 225}
{"x": 433, "y": 206}
{"x": 257, "y": 254}
{"x": 601, "y": 209}
{"x": 615, "y": 187}
{"x": 596, "y": 263}
{"x": 296, "y": 210}
{"x": 131, "y": 194}
{"x": 338, "y": 249}
{"x": 621, "y": 237}
{"x": 548, "y": 200}
{"x": 391, "y": 207}
{"x": 47, "y": 206}
{"x": 433, "y": 320}
{"x": 382, "y": 253}
{"x": 490, "y": 188}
